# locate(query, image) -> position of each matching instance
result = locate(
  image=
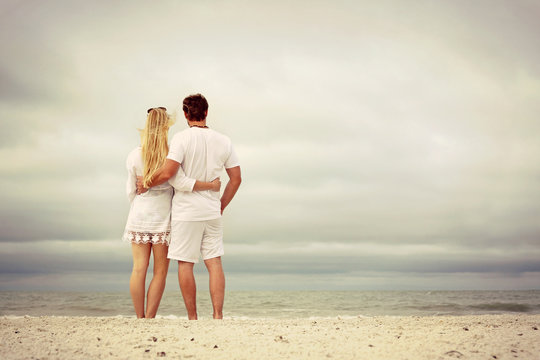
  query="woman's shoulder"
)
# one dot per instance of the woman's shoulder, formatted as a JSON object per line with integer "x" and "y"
{"x": 136, "y": 151}
{"x": 134, "y": 154}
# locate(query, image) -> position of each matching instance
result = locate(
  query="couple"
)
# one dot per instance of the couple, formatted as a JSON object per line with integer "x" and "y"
{"x": 176, "y": 206}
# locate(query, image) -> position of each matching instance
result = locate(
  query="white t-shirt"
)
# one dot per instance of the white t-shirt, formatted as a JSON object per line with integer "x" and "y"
{"x": 203, "y": 153}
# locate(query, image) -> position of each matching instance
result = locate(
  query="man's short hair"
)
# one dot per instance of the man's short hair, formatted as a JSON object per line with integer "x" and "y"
{"x": 195, "y": 107}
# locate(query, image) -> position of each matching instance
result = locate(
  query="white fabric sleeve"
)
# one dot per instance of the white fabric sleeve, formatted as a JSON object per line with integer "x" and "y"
{"x": 131, "y": 184}
{"x": 176, "y": 149}
{"x": 232, "y": 160}
{"x": 180, "y": 182}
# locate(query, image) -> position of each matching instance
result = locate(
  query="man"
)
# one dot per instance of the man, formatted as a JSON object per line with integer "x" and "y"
{"x": 196, "y": 225}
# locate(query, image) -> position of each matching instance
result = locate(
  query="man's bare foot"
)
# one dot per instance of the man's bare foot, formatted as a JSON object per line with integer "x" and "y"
{"x": 218, "y": 316}
{"x": 192, "y": 315}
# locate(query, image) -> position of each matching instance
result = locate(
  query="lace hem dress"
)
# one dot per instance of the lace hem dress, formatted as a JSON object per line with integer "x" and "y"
{"x": 149, "y": 219}
{"x": 147, "y": 237}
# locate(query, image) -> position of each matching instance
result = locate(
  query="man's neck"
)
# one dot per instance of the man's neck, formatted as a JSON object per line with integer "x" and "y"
{"x": 200, "y": 124}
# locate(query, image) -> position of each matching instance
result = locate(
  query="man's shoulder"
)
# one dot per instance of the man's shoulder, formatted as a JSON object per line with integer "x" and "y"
{"x": 221, "y": 137}
{"x": 183, "y": 132}
{"x": 212, "y": 135}
{"x": 180, "y": 135}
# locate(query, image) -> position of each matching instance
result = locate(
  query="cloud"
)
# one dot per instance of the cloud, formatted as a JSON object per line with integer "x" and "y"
{"x": 409, "y": 126}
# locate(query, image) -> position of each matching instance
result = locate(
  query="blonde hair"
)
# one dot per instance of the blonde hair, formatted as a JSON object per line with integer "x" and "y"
{"x": 154, "y": 142}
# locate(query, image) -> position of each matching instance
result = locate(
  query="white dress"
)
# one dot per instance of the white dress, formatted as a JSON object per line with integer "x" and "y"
{"x": 149, "y": 219}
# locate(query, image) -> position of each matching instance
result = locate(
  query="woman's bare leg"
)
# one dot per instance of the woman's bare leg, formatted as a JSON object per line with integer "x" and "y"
{"x": 157, "y": 285}
{"x": 141, "y": 255}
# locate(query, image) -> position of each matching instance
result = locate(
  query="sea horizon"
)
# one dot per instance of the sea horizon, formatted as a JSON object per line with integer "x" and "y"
{"x": 280, "y": 304}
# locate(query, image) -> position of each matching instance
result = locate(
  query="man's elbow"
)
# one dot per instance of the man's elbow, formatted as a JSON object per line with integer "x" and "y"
{"x": 235, "y": 176}
{"x": 168, "y": 173}
{"x": 236, "y": 181}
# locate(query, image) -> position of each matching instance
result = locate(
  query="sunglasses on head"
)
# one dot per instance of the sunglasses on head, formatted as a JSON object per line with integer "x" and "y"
{"x": 161, "y": 107}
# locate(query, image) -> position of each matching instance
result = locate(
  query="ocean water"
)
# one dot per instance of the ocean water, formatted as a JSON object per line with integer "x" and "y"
{"x": 280, "y": 304}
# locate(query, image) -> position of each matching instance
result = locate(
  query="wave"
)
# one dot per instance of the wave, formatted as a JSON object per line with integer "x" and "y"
{"x": 272, "y": 305}
{"x": 505, "y": 307}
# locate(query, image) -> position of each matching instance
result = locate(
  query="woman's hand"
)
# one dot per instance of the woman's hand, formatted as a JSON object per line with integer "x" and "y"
{"x": 140, "y": 187}
{"x": 216, "y": 184}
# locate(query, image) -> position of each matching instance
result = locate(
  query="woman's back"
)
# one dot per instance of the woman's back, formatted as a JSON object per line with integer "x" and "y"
{"x": 135, "y": 166}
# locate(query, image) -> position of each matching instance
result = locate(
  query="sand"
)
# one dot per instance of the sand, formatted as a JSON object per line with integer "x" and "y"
{"x": 460, "y": 337}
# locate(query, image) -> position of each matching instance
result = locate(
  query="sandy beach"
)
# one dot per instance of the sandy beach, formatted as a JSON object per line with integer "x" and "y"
{"x": 460, "y": 337}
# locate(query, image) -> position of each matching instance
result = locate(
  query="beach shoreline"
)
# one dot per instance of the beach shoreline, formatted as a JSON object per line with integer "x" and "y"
{"x": 381, "y": 337}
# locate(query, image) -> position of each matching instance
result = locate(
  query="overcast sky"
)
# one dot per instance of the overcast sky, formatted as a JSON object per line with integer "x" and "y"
{"x": 383, "y": 145}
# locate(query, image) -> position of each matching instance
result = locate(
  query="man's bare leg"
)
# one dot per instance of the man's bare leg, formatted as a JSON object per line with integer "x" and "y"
{"x": 217, "y": 285}
{"x": 186, "y": 279}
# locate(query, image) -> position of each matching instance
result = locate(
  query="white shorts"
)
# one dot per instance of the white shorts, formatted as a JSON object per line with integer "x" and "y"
{"x": 190, "y": 239}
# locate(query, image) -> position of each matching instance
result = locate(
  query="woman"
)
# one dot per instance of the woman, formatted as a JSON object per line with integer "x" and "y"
{"x": 149, "y": 221}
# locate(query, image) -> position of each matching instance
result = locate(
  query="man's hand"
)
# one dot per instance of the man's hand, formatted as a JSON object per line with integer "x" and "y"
{"x": 140, "y": 187}
{"x": 216, "y": 184}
